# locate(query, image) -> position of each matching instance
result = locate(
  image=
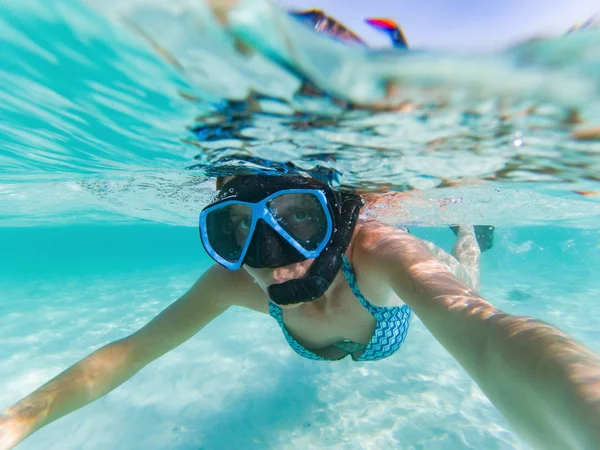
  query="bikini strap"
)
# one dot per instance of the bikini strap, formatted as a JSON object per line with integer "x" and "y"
{"x": 351, "y": 278}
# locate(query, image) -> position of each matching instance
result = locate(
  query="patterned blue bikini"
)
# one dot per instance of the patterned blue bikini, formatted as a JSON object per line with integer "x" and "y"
{"x": 390, "y": 331}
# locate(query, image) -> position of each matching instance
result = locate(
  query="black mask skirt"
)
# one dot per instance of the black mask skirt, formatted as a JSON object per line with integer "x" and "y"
{"x": 270, "y": 250}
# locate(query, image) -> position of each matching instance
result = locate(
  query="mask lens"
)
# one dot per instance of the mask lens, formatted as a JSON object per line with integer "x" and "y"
{"x": 302, "y": 216}
{"x": 227, "y": 229}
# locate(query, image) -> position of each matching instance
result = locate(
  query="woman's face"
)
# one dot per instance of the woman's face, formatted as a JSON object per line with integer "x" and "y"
{"x": 266, "y": 277}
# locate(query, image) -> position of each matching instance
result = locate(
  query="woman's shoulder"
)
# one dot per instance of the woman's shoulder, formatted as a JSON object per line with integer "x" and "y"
{"x": 371, "y": 236}
{"x": 367, "y": 257}
{"x": 233, "y": 287}
{"x": 370, "y": 242}
{"x": 377, "y": 246}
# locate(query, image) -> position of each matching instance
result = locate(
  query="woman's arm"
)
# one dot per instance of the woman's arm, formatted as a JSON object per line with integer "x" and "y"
{"x": 545, "y": 383}
{"x": 110, "y": 366}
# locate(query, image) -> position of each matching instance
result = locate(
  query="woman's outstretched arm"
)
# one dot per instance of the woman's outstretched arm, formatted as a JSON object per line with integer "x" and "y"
{"x": 542, "y": 380}
{"x": 110, "y": 366}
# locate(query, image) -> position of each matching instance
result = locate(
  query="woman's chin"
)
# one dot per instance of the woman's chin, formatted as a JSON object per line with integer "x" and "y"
{"x": 292, "y": 306}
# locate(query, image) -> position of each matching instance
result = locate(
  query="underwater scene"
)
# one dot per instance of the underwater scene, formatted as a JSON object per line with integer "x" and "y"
{"x": 116, "y": 118}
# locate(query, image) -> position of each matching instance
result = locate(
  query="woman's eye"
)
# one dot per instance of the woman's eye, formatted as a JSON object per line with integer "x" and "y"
{"x": 244, "y": 224}
{"x": 300, "y": 215}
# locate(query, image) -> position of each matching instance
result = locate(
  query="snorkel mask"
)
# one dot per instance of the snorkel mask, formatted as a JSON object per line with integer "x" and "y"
{"x": 268, "y": 221}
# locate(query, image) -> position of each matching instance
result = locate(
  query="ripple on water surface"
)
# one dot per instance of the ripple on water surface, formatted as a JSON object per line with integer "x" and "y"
{"x": 102, "y": 95}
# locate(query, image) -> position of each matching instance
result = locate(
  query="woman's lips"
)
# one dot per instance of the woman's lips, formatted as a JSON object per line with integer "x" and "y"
{"x": 291, "y": 271}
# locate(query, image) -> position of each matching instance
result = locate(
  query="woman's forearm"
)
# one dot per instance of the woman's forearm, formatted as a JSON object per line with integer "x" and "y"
{"x": 545, "y": 383}
{"x": 84, "y": 382}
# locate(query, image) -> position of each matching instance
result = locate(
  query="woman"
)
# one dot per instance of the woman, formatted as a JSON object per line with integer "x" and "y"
{"x": 294, "y": 248}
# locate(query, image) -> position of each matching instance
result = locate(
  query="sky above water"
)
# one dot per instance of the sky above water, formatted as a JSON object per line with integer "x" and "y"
{"x": 458, "y": 25}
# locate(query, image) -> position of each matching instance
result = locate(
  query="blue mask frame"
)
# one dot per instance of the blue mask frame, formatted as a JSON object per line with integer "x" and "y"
{"x": 260, "y": 210}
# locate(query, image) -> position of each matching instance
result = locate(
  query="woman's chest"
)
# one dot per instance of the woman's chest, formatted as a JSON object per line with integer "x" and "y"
{"x": 318, "y": 326}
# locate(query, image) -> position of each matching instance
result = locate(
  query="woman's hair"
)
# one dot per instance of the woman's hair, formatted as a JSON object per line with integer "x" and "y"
{"x": 381, "y": 199}
{"x": 222, "y": 180}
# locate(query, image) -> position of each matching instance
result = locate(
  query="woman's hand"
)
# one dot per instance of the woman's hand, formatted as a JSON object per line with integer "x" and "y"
{"x": 11, "y": 431}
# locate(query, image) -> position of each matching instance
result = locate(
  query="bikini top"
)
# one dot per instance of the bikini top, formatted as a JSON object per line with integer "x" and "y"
{"x": 390, "y": 331}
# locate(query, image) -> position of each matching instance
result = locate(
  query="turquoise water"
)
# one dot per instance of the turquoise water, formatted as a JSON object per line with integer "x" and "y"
{"x": 102, "y": 178}
{"x": 68, "y": 290}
